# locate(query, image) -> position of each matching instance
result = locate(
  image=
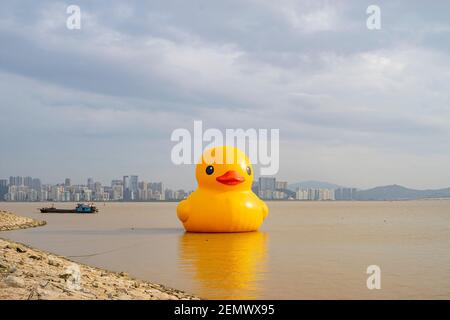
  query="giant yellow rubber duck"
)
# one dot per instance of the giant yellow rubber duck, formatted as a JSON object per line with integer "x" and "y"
{"x": 223, "y": 201}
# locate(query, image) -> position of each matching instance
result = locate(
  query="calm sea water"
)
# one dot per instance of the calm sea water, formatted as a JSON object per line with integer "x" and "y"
{"x": 304, "y": 250}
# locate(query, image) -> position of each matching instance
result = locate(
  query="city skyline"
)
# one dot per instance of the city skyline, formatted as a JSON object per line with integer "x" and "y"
{"x": 84, "y": 181}
{"x": 131, "y": 188}
{"x": 128, "y": 188}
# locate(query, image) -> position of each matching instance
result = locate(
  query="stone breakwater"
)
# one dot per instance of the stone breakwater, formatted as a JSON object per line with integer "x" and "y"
{"x": 28, "y": 273}
{"x": 11, "y": 221}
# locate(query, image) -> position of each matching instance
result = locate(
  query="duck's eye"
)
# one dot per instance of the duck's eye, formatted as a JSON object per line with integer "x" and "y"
{"x": 209, "y": 170}
{"x": 249, "y": 171}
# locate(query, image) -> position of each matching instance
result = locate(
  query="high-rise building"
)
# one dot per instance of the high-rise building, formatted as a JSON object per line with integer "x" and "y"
{"x": 157, "y": 190}
{"x": 56, "y": 193}
{"x": 116, "y": 183}
{"x": 134, "y": 183}
{"x": 315, "y": 194}
{"x": 42, "y": 195}
{"x": 267, "y": 184}
{"x": 3, "y": 188}
{"x": 181, "y": 194}
{"x": 90, "y": 183}
{"x": 143, "y": 193}
{"x": 27, "y": 181}
{"x": 126, "y": 182}
{"x": 66, "y": 196}
{"x": 127, "y": 193}
{"x": 301, "y": 194}
{"x": 117, "y": 192}
{"x": 157, "y": 187}
{"x": 36, "y": 184}
{"x": 325, "y": 194}
{"x": 67, "y": 182}
{"x": 16, "y": 181}
{"x": 169, "y": 194}
{"x": 98, "y": 191}
{"x": 345, "y": 194}
{"x": 281, "y": 185}
{"x": 267, "y": 187}
{"x": 86, "y": 195}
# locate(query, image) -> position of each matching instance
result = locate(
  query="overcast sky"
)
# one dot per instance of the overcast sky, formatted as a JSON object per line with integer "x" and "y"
{"x": 355, "y": 107}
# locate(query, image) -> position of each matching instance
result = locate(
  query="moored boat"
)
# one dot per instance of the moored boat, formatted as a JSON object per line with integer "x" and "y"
{"x": 80, "y": 208}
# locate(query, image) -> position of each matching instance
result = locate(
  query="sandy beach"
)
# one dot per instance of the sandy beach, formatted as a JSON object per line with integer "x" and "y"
{"x": 29, "y": 273}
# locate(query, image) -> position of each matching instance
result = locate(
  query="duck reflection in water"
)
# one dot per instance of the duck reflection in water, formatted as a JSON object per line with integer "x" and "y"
{"x": 225, "y": 265}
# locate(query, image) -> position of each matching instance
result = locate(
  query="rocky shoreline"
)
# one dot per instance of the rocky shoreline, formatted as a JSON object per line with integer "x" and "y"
{"x": 29, "y": 273}
{"x": 11, "y": 221}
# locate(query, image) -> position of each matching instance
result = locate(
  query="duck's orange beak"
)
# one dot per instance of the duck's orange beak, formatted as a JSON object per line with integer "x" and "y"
{"x": 230, "y": 178}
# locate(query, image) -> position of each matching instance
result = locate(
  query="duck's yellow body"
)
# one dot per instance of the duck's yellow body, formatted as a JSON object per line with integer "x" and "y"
{"x": 223, "y": 201}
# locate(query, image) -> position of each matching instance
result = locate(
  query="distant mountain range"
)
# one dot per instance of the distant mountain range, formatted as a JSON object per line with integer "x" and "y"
{"x": 391, "y": 192}
{"x": 396, "y": 192}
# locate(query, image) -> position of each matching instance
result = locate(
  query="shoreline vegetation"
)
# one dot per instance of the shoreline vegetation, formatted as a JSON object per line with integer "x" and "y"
{"x": 29, "y": 273}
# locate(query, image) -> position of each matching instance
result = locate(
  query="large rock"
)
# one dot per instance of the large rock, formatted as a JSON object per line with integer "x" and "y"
{"x": 14, "y": 281}
{"x": 53, "y": 262}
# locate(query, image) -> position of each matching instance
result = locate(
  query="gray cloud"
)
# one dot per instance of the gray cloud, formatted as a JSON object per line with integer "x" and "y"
{"x": 136, "y": 71}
